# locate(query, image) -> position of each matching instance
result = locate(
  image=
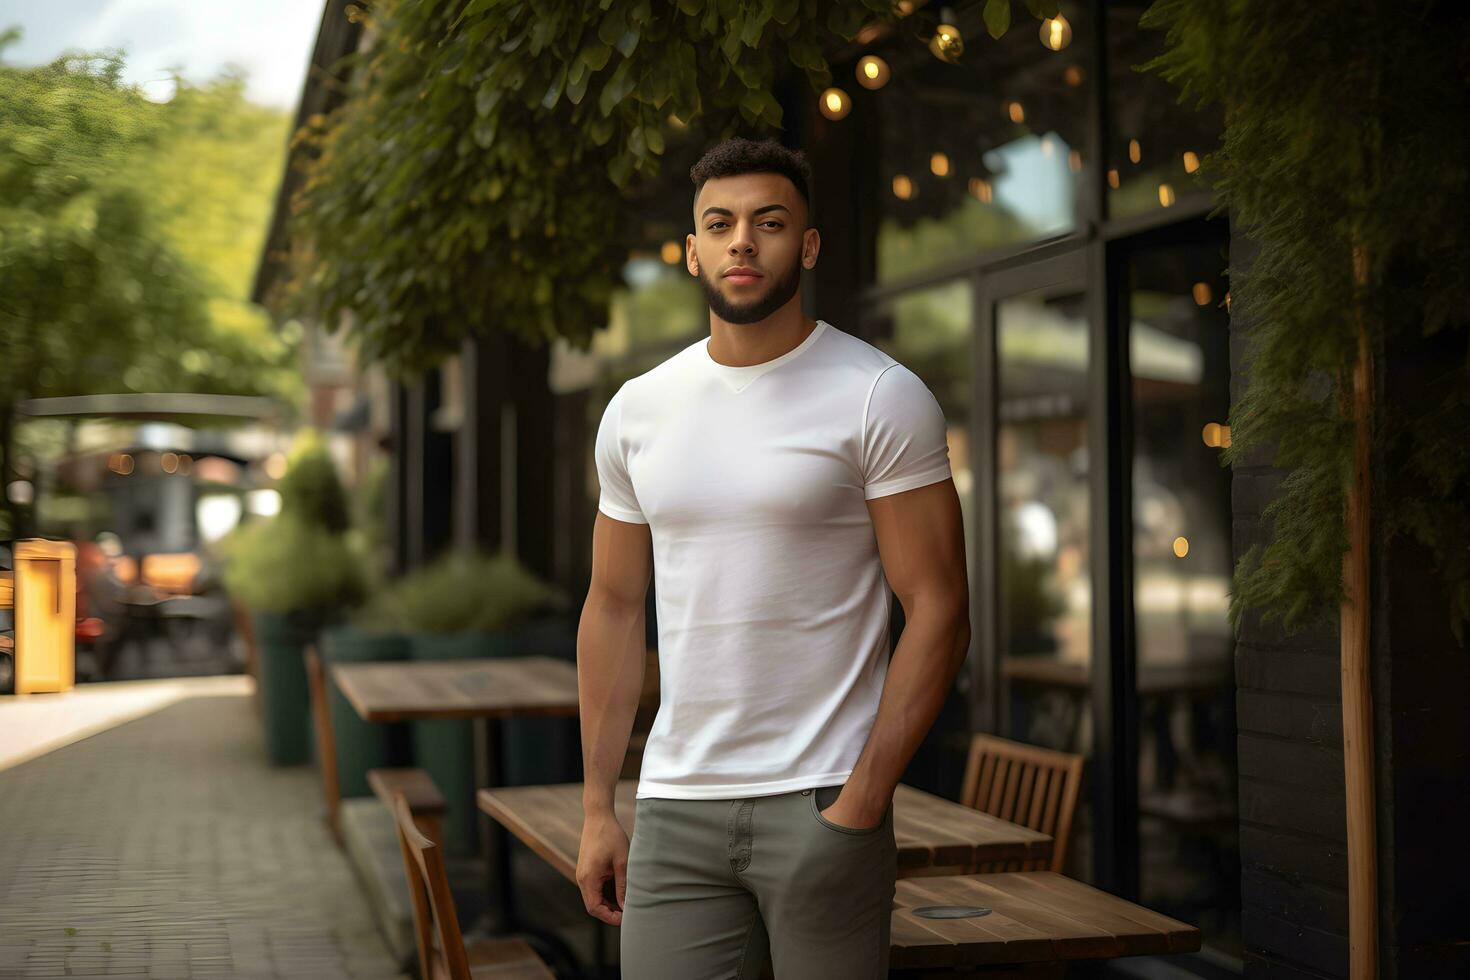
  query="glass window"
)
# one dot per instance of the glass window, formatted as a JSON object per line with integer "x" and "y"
{"x": 1156, "y": 143}
{"x": 1179, "y": 347}
{"x": 1042, "y": 502}
{"x": 983, "y": 153}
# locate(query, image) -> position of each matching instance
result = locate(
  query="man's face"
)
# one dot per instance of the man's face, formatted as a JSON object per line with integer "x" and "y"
{"x": 754, "y": 224}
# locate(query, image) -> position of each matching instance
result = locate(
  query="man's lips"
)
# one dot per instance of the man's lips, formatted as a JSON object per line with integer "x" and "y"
{"x": 741, "y": 277}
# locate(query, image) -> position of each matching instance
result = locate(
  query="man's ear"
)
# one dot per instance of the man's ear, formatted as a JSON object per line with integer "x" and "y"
{"x": 811, "y": 246}
{"x": 691, "y": 259}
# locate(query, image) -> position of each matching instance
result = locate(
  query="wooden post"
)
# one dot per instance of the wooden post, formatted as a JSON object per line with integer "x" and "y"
{"x": 1357, "y": 698}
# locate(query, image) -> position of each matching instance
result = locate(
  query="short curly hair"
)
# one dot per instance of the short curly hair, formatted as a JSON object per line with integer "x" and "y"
{"x": 743, "y": 156}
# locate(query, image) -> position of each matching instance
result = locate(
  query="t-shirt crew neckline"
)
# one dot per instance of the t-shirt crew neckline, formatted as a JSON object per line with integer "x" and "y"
{"x": 737, "y": 379}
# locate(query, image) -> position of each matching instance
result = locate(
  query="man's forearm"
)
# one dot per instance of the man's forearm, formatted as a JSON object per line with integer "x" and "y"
{"x": 929, "y": 654}
{"x": 610, "y": 655}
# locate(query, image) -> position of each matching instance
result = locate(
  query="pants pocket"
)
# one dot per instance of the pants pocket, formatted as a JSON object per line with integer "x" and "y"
{"x": 823, "y": 797}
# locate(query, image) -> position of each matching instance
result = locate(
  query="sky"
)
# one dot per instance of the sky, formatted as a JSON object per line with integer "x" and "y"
{"x": 270, "y": 39}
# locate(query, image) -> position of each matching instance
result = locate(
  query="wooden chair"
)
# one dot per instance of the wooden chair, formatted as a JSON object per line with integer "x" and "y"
{"x": 424, "y": 798}
{"x": 1025, "y": 784}
{"x": 442, "y": 952}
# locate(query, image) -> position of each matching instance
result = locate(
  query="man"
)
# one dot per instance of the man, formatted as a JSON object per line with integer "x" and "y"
{"x": 773, "y": 474}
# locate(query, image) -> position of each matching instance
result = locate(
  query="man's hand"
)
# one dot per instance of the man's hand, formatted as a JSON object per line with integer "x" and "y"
{"x": 603, "y": 854}
{"x": 846, "y": 811}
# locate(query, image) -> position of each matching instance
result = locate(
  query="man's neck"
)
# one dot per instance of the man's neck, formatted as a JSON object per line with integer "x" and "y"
{"x": 745, "y": 344}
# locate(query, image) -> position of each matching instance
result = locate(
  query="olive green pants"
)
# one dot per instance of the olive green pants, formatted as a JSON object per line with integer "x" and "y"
{"x": 713, "y": 885}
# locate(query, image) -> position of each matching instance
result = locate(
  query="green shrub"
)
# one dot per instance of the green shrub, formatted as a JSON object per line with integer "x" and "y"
{"x": 284, "y": 565}
{"x": 461, "y": 593}
{"x": 311, "y": 490}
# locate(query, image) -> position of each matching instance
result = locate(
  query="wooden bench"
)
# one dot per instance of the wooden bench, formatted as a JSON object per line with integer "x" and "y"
{"x": 364, "y": 826}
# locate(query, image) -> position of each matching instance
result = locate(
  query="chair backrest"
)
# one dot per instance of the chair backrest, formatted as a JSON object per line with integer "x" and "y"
{"x": 1025, "y": 784}
{"x": 433, "y": 905}
{"x": 326, "y": 743}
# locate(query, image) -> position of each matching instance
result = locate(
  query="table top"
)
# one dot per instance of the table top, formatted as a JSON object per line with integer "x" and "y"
{"x": 491, "y": 687}
{"x": 929, "y": 830}
{"x": 1037, "y": 916}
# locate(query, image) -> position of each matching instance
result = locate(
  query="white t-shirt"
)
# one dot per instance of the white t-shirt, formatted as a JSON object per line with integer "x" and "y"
{"x": 773, "y": 632}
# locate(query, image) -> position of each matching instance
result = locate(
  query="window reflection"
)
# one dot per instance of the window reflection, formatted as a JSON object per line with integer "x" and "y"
{"x": 1156, "y": 143}
{"x": 1042, "y": 500}
{"x": 982, "y": 153}
{"x": 1179, "y": 347}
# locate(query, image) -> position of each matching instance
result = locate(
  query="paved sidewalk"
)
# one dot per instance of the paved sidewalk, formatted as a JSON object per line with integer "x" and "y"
{"x": 167, "y": 847}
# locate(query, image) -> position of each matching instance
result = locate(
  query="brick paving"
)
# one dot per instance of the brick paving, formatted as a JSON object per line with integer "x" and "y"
{"x": 168, "y": 848}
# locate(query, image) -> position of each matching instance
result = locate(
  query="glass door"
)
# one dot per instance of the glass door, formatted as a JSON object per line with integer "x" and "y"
{"x": 1034, "y": 590}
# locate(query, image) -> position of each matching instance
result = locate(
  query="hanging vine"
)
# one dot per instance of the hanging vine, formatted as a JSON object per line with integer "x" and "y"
{"x": 476, "y": 178}
{"x": 1342, "y": 160}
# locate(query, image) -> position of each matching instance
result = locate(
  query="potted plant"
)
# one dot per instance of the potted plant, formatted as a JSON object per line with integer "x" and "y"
{"x": 296, "y": 573}
{"x": 466, "y": 606}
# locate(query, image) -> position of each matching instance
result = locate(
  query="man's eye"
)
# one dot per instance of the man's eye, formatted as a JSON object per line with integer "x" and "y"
{"x": 715, "y": 225}
{"x": 776, "y": 223}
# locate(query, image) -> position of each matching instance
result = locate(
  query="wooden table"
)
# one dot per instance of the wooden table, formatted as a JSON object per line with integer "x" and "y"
{"x": 484, "y": 691}
{"x": 474, "y": 690}
{"x": 1036, "y": 917}
{"x": 928, "y": 829}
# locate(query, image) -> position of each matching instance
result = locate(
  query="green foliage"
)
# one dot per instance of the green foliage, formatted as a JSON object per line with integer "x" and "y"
{"x": 302, "y": 560}
{"x": 311, "y": 491}
{"x": 126, "y": 229}
{"x": 287, "y": 565}
{"x": 1344, "y": 132}
{"x": 461, "y": 593}
{"x": 126, "y": 232}
{"x": 475, "y": 179}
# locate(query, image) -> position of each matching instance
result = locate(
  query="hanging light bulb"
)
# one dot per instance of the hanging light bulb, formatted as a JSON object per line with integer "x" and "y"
{"x": 835, "y": 103}
{"x": 1056, "y": 33}
{"x": 947, "y": 44}
{"x": 872, "y": 72}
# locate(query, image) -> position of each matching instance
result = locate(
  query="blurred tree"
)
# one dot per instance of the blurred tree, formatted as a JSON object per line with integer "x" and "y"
{"x": 126, "y": 232}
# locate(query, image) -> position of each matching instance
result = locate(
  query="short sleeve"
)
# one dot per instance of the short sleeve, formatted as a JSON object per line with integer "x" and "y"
{"x": 904, "y": 444}
{"x": 616, "y": 498}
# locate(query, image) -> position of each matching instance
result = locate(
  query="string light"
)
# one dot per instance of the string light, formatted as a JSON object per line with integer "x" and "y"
{"x": 1073, "y": 75}
{"x": 903, "y": 188}
{"x": 835, "y": 103}
{"x": 947, "y": 44}
{"x": 1056, "y": 33}
{"x": 1181, "y": 546}
{"x": 1166, "y": 195}
{"x": 1015, "y": 112}
{"x": 1202, "y": 294}
{"x": 1135, "y": 152}
{"x": 981, "y": 190}
{"x": 671, "y": 252}
{"x": 939, "y": 165}
{"x": 872, "y": 72}
{"x": 1113, "y": 179}
{"x": 1191, "y": 162}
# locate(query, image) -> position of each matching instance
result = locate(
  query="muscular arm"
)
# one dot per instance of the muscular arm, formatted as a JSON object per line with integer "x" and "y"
{"x": 921, "y": 542}
{"x": 610, "y": 657}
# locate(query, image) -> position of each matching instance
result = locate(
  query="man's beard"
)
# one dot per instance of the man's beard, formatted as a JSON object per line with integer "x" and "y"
{"x": 753, "y": 311}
